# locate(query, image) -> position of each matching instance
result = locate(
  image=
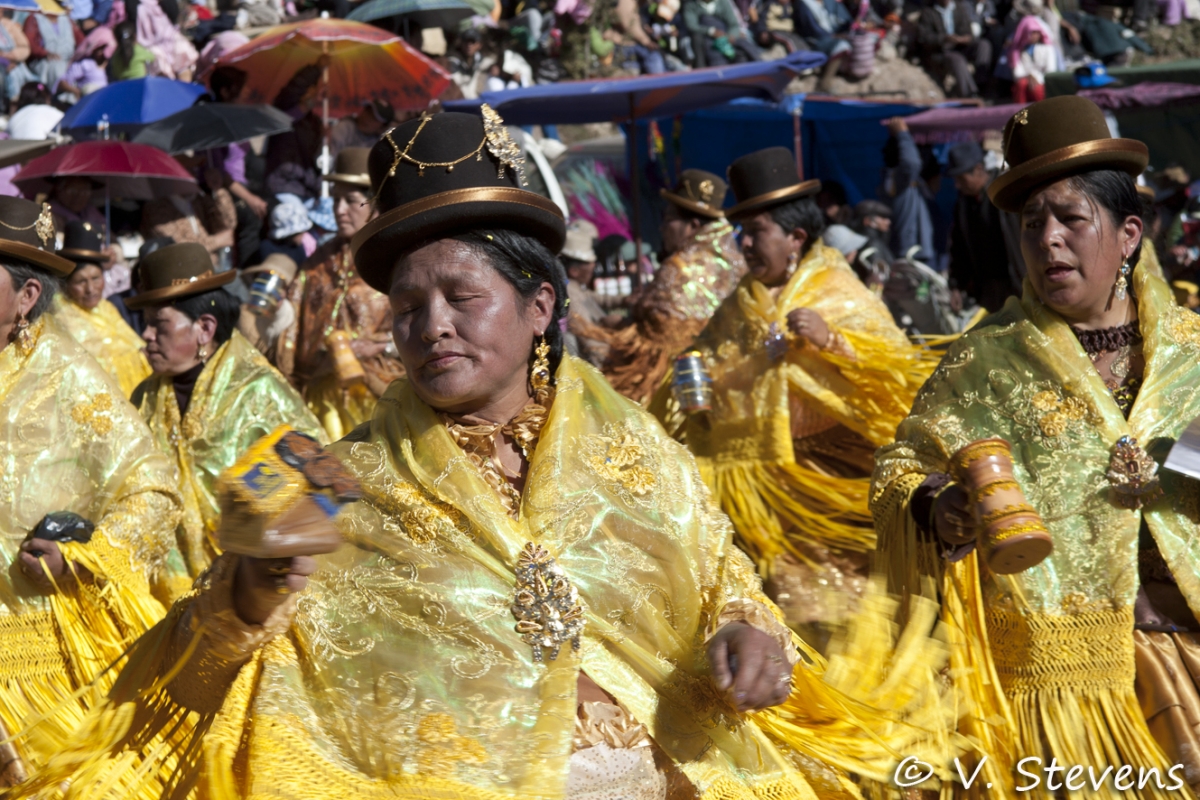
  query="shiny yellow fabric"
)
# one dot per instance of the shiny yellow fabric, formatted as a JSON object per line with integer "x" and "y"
{"x": 105, "y": 334}
{"x": 71, "y": 442}
{"x": 340, "y": 410}
{"x": 1022, "y": 375}
{"x": 237, "y": 399}
{"x": 402, "y": 675}
{"x": 744, "y": 447}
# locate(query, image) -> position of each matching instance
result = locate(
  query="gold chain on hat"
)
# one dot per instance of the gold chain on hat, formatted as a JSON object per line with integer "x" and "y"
{"x": 495, "y": 137}
{"x": 43, "y": 226}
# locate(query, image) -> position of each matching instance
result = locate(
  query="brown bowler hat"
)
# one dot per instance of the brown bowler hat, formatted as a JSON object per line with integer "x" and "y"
{"x": 699, "y": 192}
{"x": 1054, "y": 138}
{"x": 765, "y": 179}
{"x": 350, "y": 167}
{"x": 174, "y": 272}
{"x": 83, "y": 243}
{"x": 441, "y": 175}
{"x": 283, "y": 266}
{"x": 27, "y": 234}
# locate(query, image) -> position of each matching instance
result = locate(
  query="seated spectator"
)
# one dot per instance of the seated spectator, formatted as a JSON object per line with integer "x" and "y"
{"x": 289, "y": 222}
{"x": 52, "y": 42}
{"x": 34, "y": 118}
{"x": 825, "y": 24}
{"x": 849, "y": 244}
{"x": 292, "y": 156}
{"x": 87, "y": 71}
{"x": 1031, "y": 58}
{"x": 468, "y": 65}
{"x": 14, "y": 47}
{"x": 636, "y": 41}
{"x": 208, "y": 218}
{"x": 130, "y": 60}
{"x": 717, "y": 33}
{"x": 833, "y": 203}
{"x": 1111, "y": 42}
{"x": 874, "y": 220}
{"x": 174, "y": 55}
{"x": 363, "y": 129}
{"x": 947, "y": 44}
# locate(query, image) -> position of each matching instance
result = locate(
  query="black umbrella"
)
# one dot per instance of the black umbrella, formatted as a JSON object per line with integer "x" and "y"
{"x": 210, "y": 125}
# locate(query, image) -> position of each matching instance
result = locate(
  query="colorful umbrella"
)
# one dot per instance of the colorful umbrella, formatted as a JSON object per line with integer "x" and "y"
{"x": 130, "y": 105}
{"x": 209, "y": 125}
{"x": 128, "y": 170}
{"x": 364, "y": 63}
{"x": 419, "y": 13}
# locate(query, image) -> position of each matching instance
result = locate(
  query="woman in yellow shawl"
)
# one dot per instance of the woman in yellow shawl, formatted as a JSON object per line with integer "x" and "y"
{"x": 212, "y": 394}
{"x": 69, "y": 442}
{"x": 809, "y": 375}
{"x": 1091, "y": 658}
{"x": 90, "y": 319}
{"x": 503, "y": 483}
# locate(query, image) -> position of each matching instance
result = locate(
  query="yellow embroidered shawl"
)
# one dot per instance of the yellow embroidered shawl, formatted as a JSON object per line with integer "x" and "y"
{"x": 744, "y": 447}
{"x": 237, "y": 399}
{"x": 1056, "y": 638}
{"x": 71, "y": 442}
{"x": 402, "y": 675}
{"x": 104, "y": 333}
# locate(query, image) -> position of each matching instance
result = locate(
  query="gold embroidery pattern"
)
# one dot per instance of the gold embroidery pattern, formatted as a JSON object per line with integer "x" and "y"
{"x": 95, "y": 414}
{"x": 443, "y": 747}
{"x": 616, "y": 459}
{"x": 1185, "y": 327}
{"x": 424, "y": 520}
{"x": 1058, "y": 413}
{"x": 546, "y": 605}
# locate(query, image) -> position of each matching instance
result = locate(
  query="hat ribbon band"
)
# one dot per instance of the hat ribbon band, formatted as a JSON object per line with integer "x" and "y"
{"x": 193, "y": 279}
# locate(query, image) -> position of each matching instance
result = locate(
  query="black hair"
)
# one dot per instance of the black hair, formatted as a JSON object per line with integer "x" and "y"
{"x": 21, "y": 271}
{"x": 226, "y": 77}
{"x": 802, "y": 213}
{"x": 218, "y": 302}
{"x": 687, "y": 215}
{"x": 526, "y": 263}
{"x": 834, "y": 190}
{"x": 33, "y": 93}
{"x": 1116, "y": 193}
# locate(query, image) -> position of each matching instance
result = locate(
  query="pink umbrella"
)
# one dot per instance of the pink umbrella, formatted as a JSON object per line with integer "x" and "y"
{"x": 128, "y": 170}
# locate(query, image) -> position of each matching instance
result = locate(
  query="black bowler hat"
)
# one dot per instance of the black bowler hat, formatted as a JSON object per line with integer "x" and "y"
{"x": 440, "y": 175}
{"x": 765, "y": 179}
{"x": 1052, "y": 139}
{"x": 27, "y": 234}
{"x": 83, "y": 243}
{"x": 175, "y": 272}
{"x": 699, "y": 192}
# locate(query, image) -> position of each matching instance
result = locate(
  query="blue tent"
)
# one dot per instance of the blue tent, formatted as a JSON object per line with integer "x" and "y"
{"x": 644, "y": 97}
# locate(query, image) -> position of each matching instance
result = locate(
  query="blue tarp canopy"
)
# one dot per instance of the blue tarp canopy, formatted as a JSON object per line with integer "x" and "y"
{"x": 647, "y": 96}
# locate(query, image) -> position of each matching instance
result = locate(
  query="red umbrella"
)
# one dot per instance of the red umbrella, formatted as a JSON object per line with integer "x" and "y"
{"x": 128, "y": 170}
{"x": 365, "y": 63}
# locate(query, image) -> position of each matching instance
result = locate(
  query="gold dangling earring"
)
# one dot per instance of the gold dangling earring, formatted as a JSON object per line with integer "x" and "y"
{"x": 793, "y": 263}
{"x": 23, "y": 336}
{"x": 202, "y": 354}
{"x": 539, "y": 374}
{"x": 1122, "y": 287}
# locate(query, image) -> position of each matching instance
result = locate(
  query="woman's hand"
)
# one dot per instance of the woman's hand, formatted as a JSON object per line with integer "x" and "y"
{"x": 951, "y": 516}
{"x": 749, "y": 665}
{"x": 263, "y": 584}
{"x": 35, "y": 552}
{"x": 808, "y": 324}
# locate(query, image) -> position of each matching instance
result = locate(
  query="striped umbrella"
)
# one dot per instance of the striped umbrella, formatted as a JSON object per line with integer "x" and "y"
{"x": 365, "y": 63}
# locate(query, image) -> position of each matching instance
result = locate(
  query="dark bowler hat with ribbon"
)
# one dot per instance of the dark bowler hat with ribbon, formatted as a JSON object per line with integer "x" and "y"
{"x": 440, "y": 175}
{"x": 699, "y": 192}
{"x": 1056, "y": 138}
{"x": 83, "y": 243}
{"x": 177, "y": 271}
{"x": 766, "y": 179}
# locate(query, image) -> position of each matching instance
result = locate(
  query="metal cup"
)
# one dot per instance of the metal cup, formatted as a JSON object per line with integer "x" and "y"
{"x": 266, "y": 293}
{"x": 691, "y": 383}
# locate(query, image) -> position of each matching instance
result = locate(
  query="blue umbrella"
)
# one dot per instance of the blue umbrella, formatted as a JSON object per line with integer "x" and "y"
{"x": 129, "y": 105}
{"x": 21, "y": 5}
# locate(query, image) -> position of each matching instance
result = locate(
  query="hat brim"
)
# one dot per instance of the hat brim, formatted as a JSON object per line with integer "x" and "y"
{"x": 376, "y": 247}
{"x": 760, "y": 202}
{"x": 38, "y": 257}
{"x": 88, "y": 256}
{"x": 702, "y": 209}
{"x": 167, "y": 293}
{"x": 1011, "y": 188}
{"x": 361, "y": 181}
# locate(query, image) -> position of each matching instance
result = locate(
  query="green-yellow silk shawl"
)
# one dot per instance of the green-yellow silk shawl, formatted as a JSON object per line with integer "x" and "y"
{"x": 1056, "y": 638}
